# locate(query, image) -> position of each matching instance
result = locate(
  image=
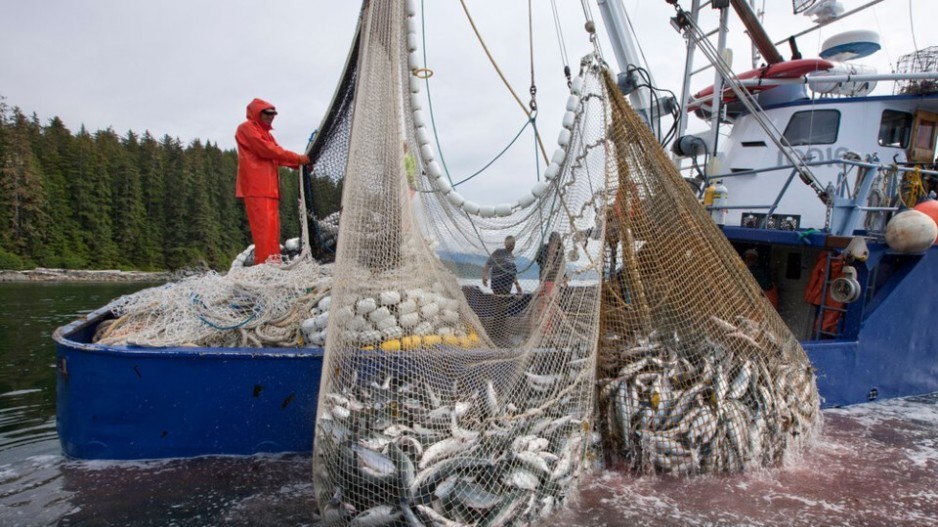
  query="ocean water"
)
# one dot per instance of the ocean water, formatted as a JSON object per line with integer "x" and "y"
{"x": 874, "y": 464}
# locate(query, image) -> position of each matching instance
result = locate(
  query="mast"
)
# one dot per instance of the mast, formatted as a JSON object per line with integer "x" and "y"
{"x": 627, "y": 57}
{"x": 756, "y": 32}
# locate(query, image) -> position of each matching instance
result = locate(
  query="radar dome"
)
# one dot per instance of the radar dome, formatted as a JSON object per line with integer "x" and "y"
{"x": 850, "y": 45}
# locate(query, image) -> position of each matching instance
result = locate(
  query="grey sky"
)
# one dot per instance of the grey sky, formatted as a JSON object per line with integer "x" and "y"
{"x": 189, "y": 67}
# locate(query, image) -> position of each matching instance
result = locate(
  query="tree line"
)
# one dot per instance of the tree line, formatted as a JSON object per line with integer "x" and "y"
{"x": 99, "y": 200}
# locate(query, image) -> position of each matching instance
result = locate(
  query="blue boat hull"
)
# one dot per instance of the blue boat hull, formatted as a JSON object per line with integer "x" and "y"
{"x": 895, "y": 353}
{"x": 888, "y": 346}
{"x": 119, "y": 402}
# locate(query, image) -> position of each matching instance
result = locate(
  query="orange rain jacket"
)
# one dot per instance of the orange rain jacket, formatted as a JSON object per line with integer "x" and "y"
{"x": 812, "y": 292}
{"x": 259, "y": 155}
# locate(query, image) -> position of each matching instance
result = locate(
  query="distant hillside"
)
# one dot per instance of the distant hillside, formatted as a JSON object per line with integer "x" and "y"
{"x": 470, "y": 264}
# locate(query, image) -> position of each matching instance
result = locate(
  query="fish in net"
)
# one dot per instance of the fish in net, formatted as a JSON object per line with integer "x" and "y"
{"x": 697, "y": 371}
{"x": 446, "y": 402}
{"x": 443, "y": 399}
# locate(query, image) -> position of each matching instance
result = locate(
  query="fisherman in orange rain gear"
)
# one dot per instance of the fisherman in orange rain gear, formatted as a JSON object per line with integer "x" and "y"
{"x": 259, "y": 156}
{"x": 812, "y": 293}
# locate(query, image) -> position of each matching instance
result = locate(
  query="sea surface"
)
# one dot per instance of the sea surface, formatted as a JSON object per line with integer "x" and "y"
{"x": 874, "y": 464}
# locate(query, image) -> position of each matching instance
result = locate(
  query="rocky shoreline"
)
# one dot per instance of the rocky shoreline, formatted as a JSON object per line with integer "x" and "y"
{"x": 42, "y": 274}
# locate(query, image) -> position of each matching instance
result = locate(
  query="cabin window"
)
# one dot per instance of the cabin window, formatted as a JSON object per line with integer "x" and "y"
{"x": 813, "y": 127}
{"x": 895, "y": 128}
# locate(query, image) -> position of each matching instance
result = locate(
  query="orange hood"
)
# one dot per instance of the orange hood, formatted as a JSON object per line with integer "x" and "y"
{"x": 254, "y": 111}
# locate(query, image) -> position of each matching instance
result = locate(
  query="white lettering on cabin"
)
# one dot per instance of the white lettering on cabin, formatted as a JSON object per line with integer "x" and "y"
{"x": 815, "y": 153}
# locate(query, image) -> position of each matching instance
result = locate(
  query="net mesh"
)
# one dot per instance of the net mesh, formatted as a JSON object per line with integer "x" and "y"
{"x": 442, "y": 400}
{"x": 698, "y": 373}
{"x": 258, "y": 306}
{"x": 453, "y": 394}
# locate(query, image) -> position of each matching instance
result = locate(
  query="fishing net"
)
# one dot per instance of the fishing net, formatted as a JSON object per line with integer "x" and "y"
{"x": 697, "y": 371}
{"x": 452, "y": 394}
{"x": 259, "y": 306}
{"x": 446, "y": 399}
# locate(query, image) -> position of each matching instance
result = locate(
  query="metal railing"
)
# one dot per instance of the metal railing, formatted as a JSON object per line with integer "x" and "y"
{"x": 846, "y": 203}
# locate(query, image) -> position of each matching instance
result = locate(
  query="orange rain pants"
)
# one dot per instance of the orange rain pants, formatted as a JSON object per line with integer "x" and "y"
{"x": 264, "y": 219}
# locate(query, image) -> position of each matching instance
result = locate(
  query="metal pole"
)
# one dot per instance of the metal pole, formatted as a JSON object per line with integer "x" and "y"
{"x": 756, "y": 32}
{"x": 841, "y": 17}
{"x": 624, "y": 48}
{"x": 717, "y": 101}
{"x": 685, "y": 89}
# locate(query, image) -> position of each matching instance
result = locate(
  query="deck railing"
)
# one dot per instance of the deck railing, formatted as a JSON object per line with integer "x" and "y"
{"x": 849, "y": 199}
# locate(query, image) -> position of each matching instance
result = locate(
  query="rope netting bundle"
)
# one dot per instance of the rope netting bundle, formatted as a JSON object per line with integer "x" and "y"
{"x": 698, "y": 373}
{"x": 259, "y": 306}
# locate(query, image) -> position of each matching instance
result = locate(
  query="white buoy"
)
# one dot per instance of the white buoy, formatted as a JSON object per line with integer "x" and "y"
{"x": 911, "y": 231}
{"x": 564, "y": 138}
{"x": 503, "y": 209}
{"x": 569, "y": 118}
{"x": 471, "y": 207}
{"x": 539, "y": 189}
{"x": 553, "y": 170}
{"x": 455, "y": 198}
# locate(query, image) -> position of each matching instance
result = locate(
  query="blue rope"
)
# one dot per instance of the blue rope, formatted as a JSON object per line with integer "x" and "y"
{"x": 500, "y": 154}
{"x": 198, "y": 301}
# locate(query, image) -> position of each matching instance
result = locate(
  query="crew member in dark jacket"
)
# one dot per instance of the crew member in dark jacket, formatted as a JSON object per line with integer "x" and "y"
{"x": 501, "y": 265}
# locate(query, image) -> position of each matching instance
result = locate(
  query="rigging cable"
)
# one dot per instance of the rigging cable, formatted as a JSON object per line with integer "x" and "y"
{"x": 590, "y": 27}
{"x": 912, "y": 27}
{"x": 500, "y": 154}
{"x": 561, "y": 42}
{"x": 533, "y": 103}
{"x": 426, "y": 81}
{"x": 498, "y": 70}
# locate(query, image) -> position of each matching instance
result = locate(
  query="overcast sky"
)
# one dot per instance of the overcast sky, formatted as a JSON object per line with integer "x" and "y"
{"x": 188, "y": 68}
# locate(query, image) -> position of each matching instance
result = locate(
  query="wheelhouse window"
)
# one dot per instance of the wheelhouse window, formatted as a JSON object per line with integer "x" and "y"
{"x": 813, "y": 127}
{"x": 895, "y": 129}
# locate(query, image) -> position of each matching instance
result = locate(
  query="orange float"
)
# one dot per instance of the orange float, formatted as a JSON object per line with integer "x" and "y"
{"x": 930, "y": 209}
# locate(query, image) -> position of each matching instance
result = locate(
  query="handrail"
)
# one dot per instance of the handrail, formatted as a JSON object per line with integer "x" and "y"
{"x": 852, "y": 162}
{"x": 846, "y": 210}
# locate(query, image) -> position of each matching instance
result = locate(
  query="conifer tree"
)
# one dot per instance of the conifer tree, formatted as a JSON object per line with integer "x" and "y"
{"x": 22, "y": 199}
{"x": 150, "y": 161}
{"x": 92, "y": 202}
{"x": 55, "y": 150}
{"x": 98, "y": 200}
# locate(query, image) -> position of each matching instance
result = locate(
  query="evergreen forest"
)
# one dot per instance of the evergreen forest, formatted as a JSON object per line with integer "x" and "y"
{"x": 99, "y": 200}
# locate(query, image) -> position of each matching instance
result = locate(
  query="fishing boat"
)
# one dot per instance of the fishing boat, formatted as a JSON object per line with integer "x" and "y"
{"x": 809, "y": 174}
{"x": 810, "y": 183}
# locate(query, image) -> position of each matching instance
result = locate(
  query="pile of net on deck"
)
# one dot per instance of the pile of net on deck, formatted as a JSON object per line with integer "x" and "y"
{"x": 443, "y": 404}
{"x": 258, "y": 306}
